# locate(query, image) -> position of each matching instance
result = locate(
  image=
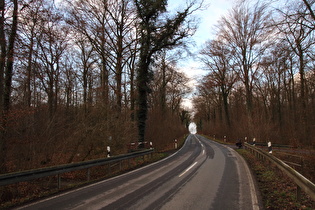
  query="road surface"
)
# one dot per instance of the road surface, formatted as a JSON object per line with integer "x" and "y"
{"x": 201, "y": 175}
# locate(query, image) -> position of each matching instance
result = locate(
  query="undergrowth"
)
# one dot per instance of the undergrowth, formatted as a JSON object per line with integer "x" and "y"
{"x": 277, "y": 190}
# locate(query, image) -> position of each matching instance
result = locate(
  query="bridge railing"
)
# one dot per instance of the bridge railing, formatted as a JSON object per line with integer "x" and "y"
{"x": 11, "y": 178}
{"x": 302, "y": 183}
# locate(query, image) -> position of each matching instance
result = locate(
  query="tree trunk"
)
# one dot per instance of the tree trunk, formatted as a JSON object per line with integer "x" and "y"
{"x": 2, "y": 55}
{"x": 119, "y": 68}
{"x": 85, "y": 85}
{"x": 132, "y": 67}
{"x": 9, "y": 58}
{"x": 163, "y": 86}
{"x": 226, "y": 106}
{"x": 143, "y": 88}
{"x": 28, "y": 94}
{"x": 305, "y": 130}
{"x": 104, "y": 84}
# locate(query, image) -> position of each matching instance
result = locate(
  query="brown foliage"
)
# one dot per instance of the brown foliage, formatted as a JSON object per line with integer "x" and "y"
{"x": 163, "y": 128}
{"x": 35, "y": 140}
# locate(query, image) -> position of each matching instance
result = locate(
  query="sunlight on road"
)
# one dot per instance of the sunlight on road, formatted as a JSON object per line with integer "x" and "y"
{"x": 192, "y": 128}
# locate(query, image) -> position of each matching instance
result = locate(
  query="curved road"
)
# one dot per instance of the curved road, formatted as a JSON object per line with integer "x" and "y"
{"x": 202, "y": 175}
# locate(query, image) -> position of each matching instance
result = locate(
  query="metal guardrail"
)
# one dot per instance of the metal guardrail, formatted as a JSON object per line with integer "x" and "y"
{"x": 22, "y": 176}
{"x": 265, "y": 144}
{"x": 303, "y": 183}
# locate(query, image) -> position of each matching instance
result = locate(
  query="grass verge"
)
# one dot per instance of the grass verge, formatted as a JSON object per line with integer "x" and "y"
{"x": 277, "y": 190}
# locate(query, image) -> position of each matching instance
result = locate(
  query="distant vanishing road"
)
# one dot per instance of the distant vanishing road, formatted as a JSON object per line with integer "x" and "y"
{"x": 202, "y": 175}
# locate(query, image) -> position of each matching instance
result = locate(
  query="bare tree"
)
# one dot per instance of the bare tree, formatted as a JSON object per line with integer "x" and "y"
{"x": 131, "y": 71}
{"x": 247, "y": 30}
{"x": 206, "y": 104}
{"x": 90, "y": 19}
{"x": 29, "y": 29}
{"x": 297, "y": 28}
{"x": 120, "y": 34}
{"x": 218, "y": 59}
{"x": 271, "y": 86}
{"x": 52, "y": 43}
{"x": 168, "y": 87}
{"x": 86, "y": 61}
{"x": 309, "y": 11}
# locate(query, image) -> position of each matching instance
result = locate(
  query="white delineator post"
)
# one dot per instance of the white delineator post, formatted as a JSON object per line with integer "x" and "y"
{"x": 108, "y": 151}
{"x": 269, "y": 147}
{"x": 175, "y": 143}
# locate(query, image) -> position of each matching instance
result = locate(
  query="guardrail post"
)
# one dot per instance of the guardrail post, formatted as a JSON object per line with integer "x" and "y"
{"x": 88, "y": 174}
{"x": 59, "y": 181}
{"x": 298, "y": 193}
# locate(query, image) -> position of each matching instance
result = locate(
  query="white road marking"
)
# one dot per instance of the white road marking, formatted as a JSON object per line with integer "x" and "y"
{"x": 253, "y": 194}
{"x": 252, "y": 189}
{"x": 203, "y": 146}
{"x": 190, "y": 167}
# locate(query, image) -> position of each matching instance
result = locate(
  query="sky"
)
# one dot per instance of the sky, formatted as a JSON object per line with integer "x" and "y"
{"x": 192, "y": 128}
{"x": 208, "y": 18}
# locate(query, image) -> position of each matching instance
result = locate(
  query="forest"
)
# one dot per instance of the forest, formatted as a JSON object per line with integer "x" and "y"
{"x": 77, "y": 76}
{"x": 260, "y": 80}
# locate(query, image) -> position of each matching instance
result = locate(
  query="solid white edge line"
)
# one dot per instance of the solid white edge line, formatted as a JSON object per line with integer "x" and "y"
{"x": 253, "y": 195}
{"x": 252, "y": 188}
{"x": 255, "y": 204}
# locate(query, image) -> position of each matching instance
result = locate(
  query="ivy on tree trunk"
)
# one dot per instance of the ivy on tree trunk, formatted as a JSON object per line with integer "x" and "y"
{"x": 157, "y": 32}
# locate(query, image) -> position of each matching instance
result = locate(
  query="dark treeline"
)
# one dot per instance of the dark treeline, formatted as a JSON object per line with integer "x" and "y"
{"x": 261, "y": 76}
{"x": 79, "y": 75}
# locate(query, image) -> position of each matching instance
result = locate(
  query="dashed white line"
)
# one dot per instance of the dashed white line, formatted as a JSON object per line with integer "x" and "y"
{"x": 190, "y": 167}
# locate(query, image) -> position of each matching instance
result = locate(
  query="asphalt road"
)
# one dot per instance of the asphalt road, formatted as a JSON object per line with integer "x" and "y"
{"x": 202, "y": 175}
